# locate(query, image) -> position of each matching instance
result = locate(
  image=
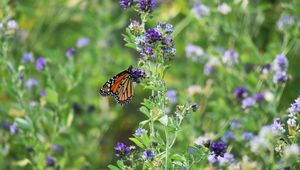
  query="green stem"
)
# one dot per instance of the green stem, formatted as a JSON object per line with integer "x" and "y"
{"x": 167, "y": 148}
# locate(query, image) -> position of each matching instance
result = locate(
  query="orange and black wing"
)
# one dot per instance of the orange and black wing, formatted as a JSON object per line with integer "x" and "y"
{"x": 125, "y": 91}
{"x": 111, "y": 87}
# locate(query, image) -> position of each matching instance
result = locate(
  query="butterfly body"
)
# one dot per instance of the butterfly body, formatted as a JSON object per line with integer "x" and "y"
{"x": 120, "y": 86}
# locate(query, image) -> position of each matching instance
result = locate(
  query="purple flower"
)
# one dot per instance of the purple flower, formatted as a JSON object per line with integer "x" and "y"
{"x": 40, "y": 63}
{"x": 240, "y": 93}
{"x": 13, "y": 129}
{"x": 280, "y": 63}
{"x": 43, "y": 93}
{"x": 247, "y": 103}
{"x": 285, "y": 21}
{"x": 194, "y": 52}
{"x": 295, "y": 107}
{"x": 228, "y": 136}
{"x": 195, "y": 106}
{"x": 200, "y": 10}
{"x": 122, "y": 150}
{"x": 266, "y": 68}
{"x": 172, "y": 96}
{"x": 70, "y": 52}
{"x": 165, "y": 28}
{"x": 230, "y": 57}
{"x": 125, "y": 3}
{"x": 148, "y": 51}
{"x": 224, "y": 8}
{"x": 146, "y": 5}
{"x": 82, "y": 42}
{"x": 152, "y": 35}
{"x": 234, "y": 124}
{"x": 148, "y": 154}
{"x": 210, "y": 66}
{"x": 27, "y": 58}
{"x": 50, "y": 161}
{"x": 139, "y": 132}
{"x": 227, "y": 159}
{"x": 135, "y": 28}
{"x": 277, "y": 126}
{"x": 259, "y": 97}
{"x": 12, "y": 24}
{"x": 57, "y": 148}
{"x": 191, "y": 150}
{"x": 247, "y": 136}
{"x": 212, "y": 159}
{"x": 31, "y": 83}
{"x": 218, "y": 148}
{"x": 137, "y": 74}
{"x": 280, "y": 78}
{"x": 5, "y": 125}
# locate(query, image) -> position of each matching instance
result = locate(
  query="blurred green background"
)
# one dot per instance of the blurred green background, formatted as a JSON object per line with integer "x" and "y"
{"x": 95, "y": 123}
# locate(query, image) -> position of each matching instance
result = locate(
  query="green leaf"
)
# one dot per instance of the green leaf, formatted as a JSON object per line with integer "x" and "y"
{"x": 144, "y": 110}
{"x": 23, "y": 162}
{"x": 70, "y": 119}
{"x": 164, "y": 120}
{"x": 120, "y": 164}
{"x": 51, "y": 96}
{"x": 24, "y": 123}
{"x": 142, "y": 123}
{"x": 178, "y": 157}
{"x": 145, "y": 139}
{"x": 137, "y": 142}
{"x": 112, "y": 167}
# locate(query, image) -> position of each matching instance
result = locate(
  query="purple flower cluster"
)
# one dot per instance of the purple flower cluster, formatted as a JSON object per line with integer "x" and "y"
{"x": 247, "y": 136}
{"x": 172, "y": 96}
{"x": 247, "y": 103}
{"x": 31, "y": 83}
{"x": 70, "y": 52}
{"x": 293, "y": 111}
{"x": 277, "y": 126}
{"x": 40, "y": 64}
{"x": 219, "y": 155}
{"x": 200, "y": 10}
{"x": 218, "y": 148}
{"x": 230, "y": 57}
{"x": 156, "y": 38}
{"x": 153, "y": 35}
{"x": 125, "y": 3}
{"x": 140, "y": 131}
{"x": 228, "y": 137}
{"x": 122, "y": 150}
{"x": 12, "y": 128}
{"x": 27, "y": 58}
{"x": 82, "y": 42}
{"x": 144, "y": 6}
{"x": 148, "y": 154}
{"x": 137, "y": 74}
{"x": 50, "y": 161}
{"x": 286, "y": 21}
{"x": 135, "y": 28}
{"x": 242, "y": 95}
{"x": 280, "y": 66}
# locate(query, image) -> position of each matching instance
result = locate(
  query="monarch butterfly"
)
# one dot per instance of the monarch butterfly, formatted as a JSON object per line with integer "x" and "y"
{"x": 121, "y": 85}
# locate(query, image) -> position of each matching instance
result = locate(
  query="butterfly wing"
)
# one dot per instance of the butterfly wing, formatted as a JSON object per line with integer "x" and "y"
{"x": 111, "y": 87}
{"x": 125, "y": 92}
